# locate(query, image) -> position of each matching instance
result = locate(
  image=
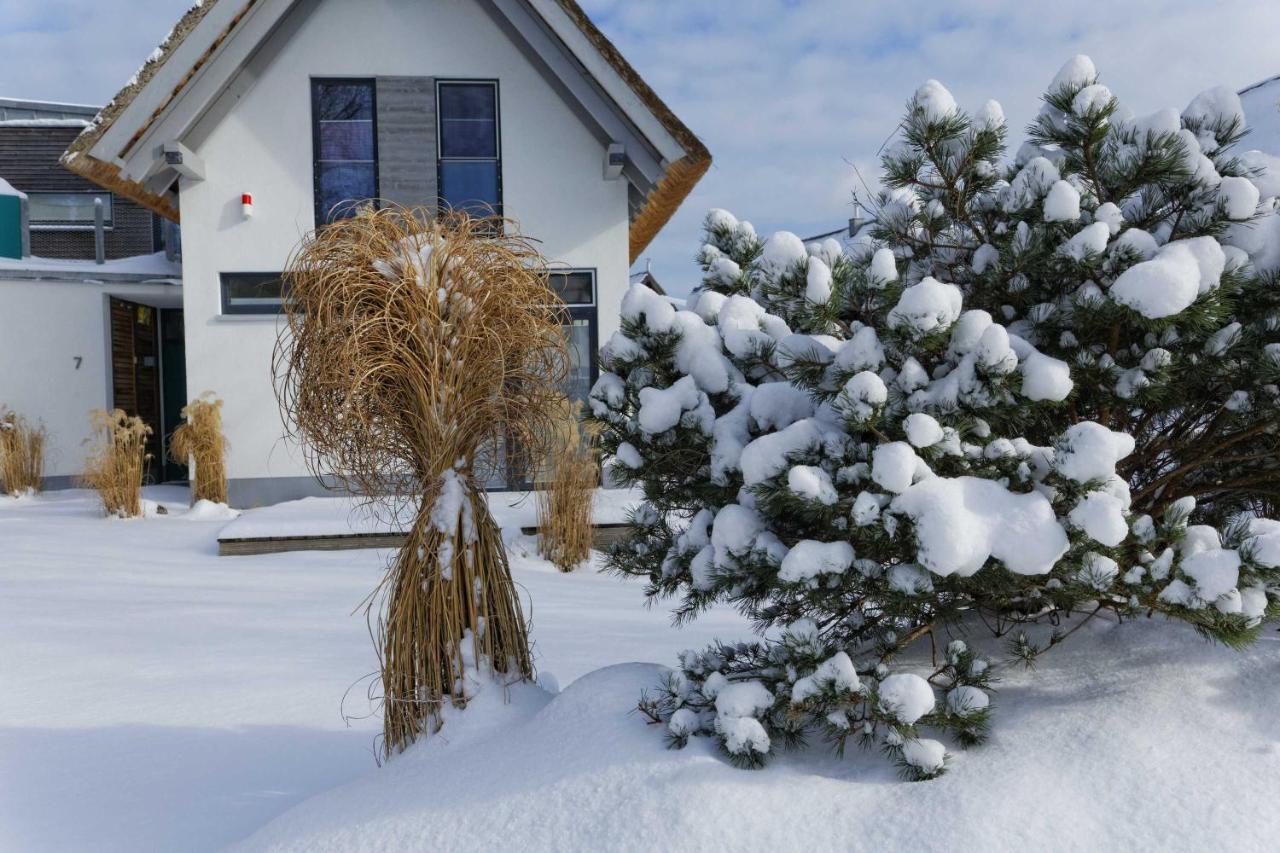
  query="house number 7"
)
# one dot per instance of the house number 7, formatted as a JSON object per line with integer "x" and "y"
{"x": 79, "y": 360}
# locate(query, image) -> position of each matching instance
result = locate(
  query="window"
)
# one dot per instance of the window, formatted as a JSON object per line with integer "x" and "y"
{"x": 252, "y": 292}
{"x": 469, "y": 147}
{"x": 577, "y": 289}
{"x": 67, "y": 210}
{"x": 344, "y": 145}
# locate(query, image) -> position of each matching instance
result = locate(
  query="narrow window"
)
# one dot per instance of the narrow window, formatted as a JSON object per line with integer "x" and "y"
{"x": 252, "y": 292}
{"x": 577, "y": 289}
{"x": 67, "y": 210}
{"x": 469, "y": 147}
{"x": 344, "y": 142}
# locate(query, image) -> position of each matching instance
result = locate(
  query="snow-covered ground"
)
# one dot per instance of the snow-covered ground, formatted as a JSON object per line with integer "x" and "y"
{"x": 156, "y": 697}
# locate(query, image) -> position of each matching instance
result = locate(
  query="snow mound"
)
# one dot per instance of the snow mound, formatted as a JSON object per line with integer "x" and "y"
{"x": 579, "y": 772}
{"x": 204, "y": 510}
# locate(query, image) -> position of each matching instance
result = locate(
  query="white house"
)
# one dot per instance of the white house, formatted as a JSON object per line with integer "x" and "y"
{"x": 257, "y": 119}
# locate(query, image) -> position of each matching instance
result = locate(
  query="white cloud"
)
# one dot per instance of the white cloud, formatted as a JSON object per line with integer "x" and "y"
{"x": 784, "y": 92}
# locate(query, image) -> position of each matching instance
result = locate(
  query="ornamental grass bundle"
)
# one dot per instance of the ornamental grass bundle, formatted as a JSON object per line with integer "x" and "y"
{"x": 199, "y": 441}
{"x": 414, "y": 352}
{"x": 117, "y": 461}
{"x": 564, "y": 504}
{"x": 21, "y": 454}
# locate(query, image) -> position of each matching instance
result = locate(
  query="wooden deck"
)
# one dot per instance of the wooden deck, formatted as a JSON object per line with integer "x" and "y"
{"x": 603, "y": 535}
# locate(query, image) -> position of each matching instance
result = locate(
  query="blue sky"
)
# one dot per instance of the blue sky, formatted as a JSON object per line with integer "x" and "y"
{"x": 789, "y": 95}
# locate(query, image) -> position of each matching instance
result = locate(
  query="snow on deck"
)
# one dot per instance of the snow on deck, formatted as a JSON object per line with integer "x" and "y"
{"x": 351, "y": 516}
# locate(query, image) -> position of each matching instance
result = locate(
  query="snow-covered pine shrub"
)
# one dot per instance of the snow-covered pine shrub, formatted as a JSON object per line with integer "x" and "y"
{"x": 198, "y": 441}
{"x": 837, "y": 443}
{"x": 416, "y": 346}
{"x": 21, "y": 454}
{"x": 1141, "y": 250}
{"x": 117, "y": 461}
{"x": 571, "y": 474}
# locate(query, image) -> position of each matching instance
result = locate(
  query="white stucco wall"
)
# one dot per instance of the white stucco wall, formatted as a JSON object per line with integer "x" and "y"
{"x": 44, "y": 327}
{"x": 552, "y": 184}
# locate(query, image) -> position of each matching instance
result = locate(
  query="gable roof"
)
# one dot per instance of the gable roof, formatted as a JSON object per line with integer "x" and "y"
{"x": 100, "y": 153}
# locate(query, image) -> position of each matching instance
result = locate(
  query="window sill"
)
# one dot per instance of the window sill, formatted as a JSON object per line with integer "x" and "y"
{"x": 247, "y": 318}
{"x": 85, "y": 228}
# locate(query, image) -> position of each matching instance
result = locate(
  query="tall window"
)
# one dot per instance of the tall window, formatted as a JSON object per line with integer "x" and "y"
{"x": 577, "y": 289}
{"x": 344, "y": 142}
{"x": 469, "y": 150}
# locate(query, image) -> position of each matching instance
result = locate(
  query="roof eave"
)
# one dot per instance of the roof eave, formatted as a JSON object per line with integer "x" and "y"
{"x": 102, "y": 167}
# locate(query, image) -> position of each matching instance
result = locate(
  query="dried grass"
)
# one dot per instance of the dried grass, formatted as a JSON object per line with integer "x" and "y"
{"x": 564, "y": 504}
{"x": 199, "y": 441}
{"x": 414, "y": 350}
{"x": 117, "y": 461}
{"x": 21, "y": 454}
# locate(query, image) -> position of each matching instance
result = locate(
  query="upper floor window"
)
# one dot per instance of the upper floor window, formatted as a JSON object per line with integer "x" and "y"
{"x": 344, "y": 142}
{"x": 469, "y": 146}
{"x": 67, "y": 210}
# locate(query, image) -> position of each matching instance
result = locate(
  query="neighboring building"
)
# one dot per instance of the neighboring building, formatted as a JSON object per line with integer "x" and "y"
{"x": 76, "y": 335}
{"x": 1261, "y": 103}
{"x": 60, "y": 203}
{"x": 306, "y": 105}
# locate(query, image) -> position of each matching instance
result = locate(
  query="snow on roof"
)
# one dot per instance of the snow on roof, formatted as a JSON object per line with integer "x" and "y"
{"x": 142, "y": 266}
{"x": 6, "y": 188}
{"x": 1261, "y": 103}
{"x": 44, "y": 122}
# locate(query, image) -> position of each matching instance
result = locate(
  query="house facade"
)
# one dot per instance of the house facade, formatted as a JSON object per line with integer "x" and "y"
{"x": 76, "y": 334}
{"x": 259, "y": 120}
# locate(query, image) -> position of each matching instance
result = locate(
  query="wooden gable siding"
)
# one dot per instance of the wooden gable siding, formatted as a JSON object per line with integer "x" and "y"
{"x": 407, "y": 141}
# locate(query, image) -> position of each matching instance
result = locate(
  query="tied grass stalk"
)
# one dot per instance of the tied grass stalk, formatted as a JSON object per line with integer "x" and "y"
{"x": 418, "y": 354}
{"x": 564, "y": 504}
{"x": 117, "y": 461}
{"x": 21, "y": 454}
{"x": 199, "y": 442}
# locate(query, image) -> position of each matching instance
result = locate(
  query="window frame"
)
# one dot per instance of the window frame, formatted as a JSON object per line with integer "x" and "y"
{"x": 231, "y": 310}
{"x": 316, "y": 83}
{"x": 589, "y": 312}
{"x": 497, "y": 132}
{"x": 108, "y": 221}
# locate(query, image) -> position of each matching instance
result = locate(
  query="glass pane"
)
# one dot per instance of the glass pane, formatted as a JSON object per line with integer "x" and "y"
{"x": 468, "y": 100}
{"x": 343, "y": 183}
{"x": 75, "y": 208}
{"x": 344, "y": 101}
{"x": 468, "y": 138}
{"x": 252, "y": 293}
{"x": 573, "y": 288}
{"x": 346, "y": 140}
{"x": 578, "y": 386}
{"x": 470, "y": 186}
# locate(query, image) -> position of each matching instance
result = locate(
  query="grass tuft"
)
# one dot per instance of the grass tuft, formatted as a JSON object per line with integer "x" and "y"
{"x": 21, "y": 454}
{"x": 564, "y": 504}
{"x": 199, "y": 441}
{"x": 117, "y": 461}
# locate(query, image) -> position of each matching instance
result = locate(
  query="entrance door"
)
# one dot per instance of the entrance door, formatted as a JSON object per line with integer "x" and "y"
{"x": 173, "y": 384}
{"x": 135, "y": 372}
